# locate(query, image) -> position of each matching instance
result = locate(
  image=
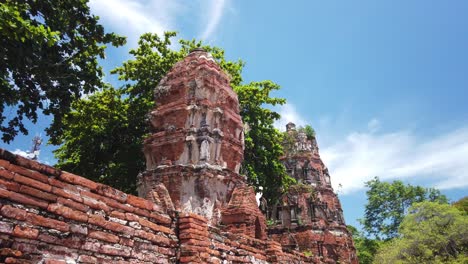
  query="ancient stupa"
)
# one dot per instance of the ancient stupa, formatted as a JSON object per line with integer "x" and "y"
{"x": 197, "y": 146}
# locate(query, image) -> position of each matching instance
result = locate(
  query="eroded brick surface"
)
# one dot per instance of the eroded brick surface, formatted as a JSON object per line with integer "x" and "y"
{"x": 193, "y": 207}
{"x": 309, "y": 216}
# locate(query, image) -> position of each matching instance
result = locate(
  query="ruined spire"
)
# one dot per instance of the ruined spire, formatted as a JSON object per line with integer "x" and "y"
{"x": 196, "y": 120}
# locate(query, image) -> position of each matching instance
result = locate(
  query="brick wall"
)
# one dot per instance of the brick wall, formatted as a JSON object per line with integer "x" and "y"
{"x": 200, "y": 243}
{"x": 50, "y": 216}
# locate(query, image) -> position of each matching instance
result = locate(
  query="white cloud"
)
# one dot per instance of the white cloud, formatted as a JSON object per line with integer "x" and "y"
{"x": 25, "y": 154}
{"x": 441, "y": 161}
{"x": 216, "y": 12}
{"x": 135, "y": 17}
{"x": 288, "y": 114}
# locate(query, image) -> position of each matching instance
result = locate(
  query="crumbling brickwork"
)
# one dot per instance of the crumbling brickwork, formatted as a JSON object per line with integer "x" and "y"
{"x": 193, "y": 206}
{"x": 196, "y": 148}
{"x": 52, "y": 216}
{"x": 309, "y": 217}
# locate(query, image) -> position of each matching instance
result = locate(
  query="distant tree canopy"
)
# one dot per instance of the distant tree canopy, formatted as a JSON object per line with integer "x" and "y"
{"x": 429, "y": 233}
{"x": 49, "y": 52}
{"x": 462, "y": 204}
{"x": 105, "y": 145}
{"x": 366, "y": 247}
{"x": 387, "y": 204}
{"x": 397, "y": 224}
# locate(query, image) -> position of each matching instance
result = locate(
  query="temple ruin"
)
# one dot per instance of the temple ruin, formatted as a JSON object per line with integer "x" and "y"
{"x": 193, "y": 205}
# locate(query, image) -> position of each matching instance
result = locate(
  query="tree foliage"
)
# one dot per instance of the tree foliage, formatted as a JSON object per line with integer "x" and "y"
{"x": 430, "y": 233}
{"x": 387, "y": 204}
{"x": 263, "y": 147}
{"x": 102, "y": 140}
{"x": 152, "y": 60}
{"x": 462, "y": 205}
{"x": 308, "y": 130}
{"x": 366, "y": 247}
{"x": 49, "y": 52}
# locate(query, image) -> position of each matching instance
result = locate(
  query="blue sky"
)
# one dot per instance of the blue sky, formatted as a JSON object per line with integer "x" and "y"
{"x": 384, "y": 83}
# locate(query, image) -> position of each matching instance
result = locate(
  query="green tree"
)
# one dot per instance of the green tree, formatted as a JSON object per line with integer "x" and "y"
{"x": 49, "y": 52}
{"x": 308, "y": 130}
{"x": 263, "y": 146}
{"x": 430, "y": 233}
{"x": 152, "y": 60}
{"x": 102, "y": 140}
{"x": 387, "y": 204}
{"x": 366, "y": 247}
{"x": 462, "y": 204}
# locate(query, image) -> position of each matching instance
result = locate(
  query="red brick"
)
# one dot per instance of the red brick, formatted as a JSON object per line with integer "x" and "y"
{"x": 4, "y": 164}
{"x": 142, "y": 212}
{"x": 112, "y": 193}
{"x": 161, "y": 219}
{"x": 57, "y": 183}
{"x": 67, "y": 212}
{"x": 79, "y": 229}
{"x": 195, "y": 216}
{"x": 154, "y": 226}
{"x": 97, "y": 220}
{"x": 36, "y": 166}
{"x": 36, "y": 193}
{"x": 109, "y": 202}
{"x": 11, "y": 260}
{"x": 140, "y": 202}
{"x": 118, "y": 215}
{"x": 13, "y": 212}
{"x": 69, "y": 194}
{"x": 47, "y": 222}
{"x": 4, "y": 193}
{"x": 190, "y": 259}
{"x": 126, "y": 242}
{"x": 158, "y": 239}
{"x": 44, "y": 237}
{"x": 27, "y": 169}
{"x": 132, "y": 217}
{"x": 6, "y": 174}
{"x": 195, "y": 231}
{"x": 193, "y": 236}
{"x": 73, "y": 241}
{"x": 103, "y": 236}
{"x": 143, "y": 255}
{"x": 167, "y": 251}
{"x": 72, "y": 204}
{"x": 8, "y": 252}
{"x": 33, "y": 183}
{"x": 54, "y": 261}
{"x": 192, "y": 226}
{"x": 10, "y": 185}
{"x": 23, "y": 199}
{"x": 116, "y": 227}
{"x": 192, "y": 221}
{"x": 195, "y": 242}
{"x": 25, "y": 232}
{"x": 18, "y": 169}
{"x": 75, "y": 179}
{"x": 90, "y": 200}
{"x": 115, "y": 251}
{"x": 87, "y": 259}
{"x": 6, "y": 228}
{"x": 91, "y": 246}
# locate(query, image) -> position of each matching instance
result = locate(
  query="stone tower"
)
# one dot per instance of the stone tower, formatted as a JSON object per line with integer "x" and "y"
{"x": 195, "y": 151}
{"x": 309, "y": 216}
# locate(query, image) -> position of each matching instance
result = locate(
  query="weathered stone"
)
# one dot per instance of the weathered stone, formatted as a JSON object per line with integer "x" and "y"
{"x": 309, "y": 216}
